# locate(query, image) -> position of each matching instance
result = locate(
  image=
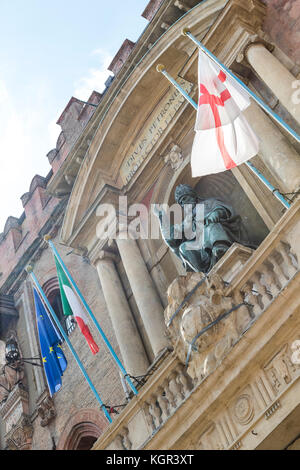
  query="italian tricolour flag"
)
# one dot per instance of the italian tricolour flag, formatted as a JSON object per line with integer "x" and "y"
{"x": 72, "y": 306}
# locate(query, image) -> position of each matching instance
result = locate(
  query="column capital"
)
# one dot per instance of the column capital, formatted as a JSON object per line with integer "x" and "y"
{"x": 254, "y": 41}
{"x": 258, "y": 42}
{"x": 103, "y": 256}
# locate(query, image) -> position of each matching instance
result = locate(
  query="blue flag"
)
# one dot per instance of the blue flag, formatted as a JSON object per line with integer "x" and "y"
{"x": 53, "y": 358}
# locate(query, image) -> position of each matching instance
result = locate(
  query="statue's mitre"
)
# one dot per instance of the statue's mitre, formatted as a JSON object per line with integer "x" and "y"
{"x": 183, "y": 190}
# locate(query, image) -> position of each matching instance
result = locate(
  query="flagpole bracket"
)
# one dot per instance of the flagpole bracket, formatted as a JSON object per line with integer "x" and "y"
{"x": 185, "y": 31}
{"x": 47, "y": 238}
{"x": 29, "y": 269}
{"x": 160, "y": 68}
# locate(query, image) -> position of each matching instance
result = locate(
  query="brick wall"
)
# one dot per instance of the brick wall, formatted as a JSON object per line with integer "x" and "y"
{"x": 283, "y": 25}
{"x": 75, "y": 394}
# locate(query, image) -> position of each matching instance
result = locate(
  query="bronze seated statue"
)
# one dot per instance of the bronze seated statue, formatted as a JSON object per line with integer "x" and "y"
{"x": 221, "y": 228}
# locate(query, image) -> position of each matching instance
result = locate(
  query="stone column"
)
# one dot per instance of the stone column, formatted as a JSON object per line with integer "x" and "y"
{"x": 278, "y": 154}
{"x": 275, "y": 75}
{"x": 128, "y": 337}
{"x": 144, "y": 292}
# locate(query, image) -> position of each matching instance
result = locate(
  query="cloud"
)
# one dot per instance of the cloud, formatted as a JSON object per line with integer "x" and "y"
{"x": 28, "y": 131}
{"x": 96, "y": 77}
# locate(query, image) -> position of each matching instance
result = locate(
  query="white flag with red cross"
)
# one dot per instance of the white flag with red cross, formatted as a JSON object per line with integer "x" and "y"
{"x": 224, "y": 138}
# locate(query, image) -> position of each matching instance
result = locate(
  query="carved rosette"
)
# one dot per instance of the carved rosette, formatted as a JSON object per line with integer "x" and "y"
{"x": 244, "y": 409}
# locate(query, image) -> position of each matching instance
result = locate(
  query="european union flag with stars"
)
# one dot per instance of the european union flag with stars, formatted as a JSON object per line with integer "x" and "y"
{"x": 53, "y": 358}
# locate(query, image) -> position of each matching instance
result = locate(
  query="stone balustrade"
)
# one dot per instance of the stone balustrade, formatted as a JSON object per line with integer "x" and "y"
{"x": 157, "y": 400}
{"x": 241, "y": 289}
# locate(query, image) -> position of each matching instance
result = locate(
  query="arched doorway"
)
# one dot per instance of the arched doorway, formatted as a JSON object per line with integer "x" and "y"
{"x": 82, "y": 430}
{"x": 52, "y": 291}
{"x": 83, "y": 436}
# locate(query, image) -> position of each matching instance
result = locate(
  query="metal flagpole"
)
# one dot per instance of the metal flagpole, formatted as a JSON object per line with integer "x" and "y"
{"x": 53, "y": 314}
{"x": 258, "y": 100}
{"x": 160, "y": 68}
{"x": 117, "y": 360}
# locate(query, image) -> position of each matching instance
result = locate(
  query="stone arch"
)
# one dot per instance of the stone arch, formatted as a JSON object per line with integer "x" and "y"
{"x": 125, "y": 114}
{"x": 51, "y": 287}
{"x": 52, "y": 291}
{"x": 81, "y": 430}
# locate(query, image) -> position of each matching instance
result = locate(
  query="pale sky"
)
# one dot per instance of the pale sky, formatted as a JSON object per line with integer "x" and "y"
{"x": 51, "y": 50}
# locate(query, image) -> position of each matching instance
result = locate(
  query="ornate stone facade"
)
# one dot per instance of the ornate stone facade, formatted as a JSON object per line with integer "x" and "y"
{"x": 214, "y": 357}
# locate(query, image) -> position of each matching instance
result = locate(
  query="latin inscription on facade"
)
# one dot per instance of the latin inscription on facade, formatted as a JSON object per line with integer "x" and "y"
{"x": 162, "y": 116}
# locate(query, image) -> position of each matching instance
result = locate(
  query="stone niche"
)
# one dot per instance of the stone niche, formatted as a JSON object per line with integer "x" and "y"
{"x": 225, "y": 187}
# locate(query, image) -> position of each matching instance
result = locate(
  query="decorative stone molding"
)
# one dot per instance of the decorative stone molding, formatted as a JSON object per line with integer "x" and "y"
{"x": 272, "y": 409}
{"x": 15, "y": 414}
{"x": 227, "y": 408}
{"x": 86, "y": 421}
{"x": 20, "y": 438}
{"x": 46, "y": 410}
{"x": 244, "y": 409}
{"x": 181, "y": 5}
{"x": 175, "y": 157}
{"x": 98, "y": 256}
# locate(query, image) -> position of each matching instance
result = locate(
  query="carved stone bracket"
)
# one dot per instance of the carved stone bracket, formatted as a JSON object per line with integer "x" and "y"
{"x": 206, "y": 349}
{"x": 46, "y": 410}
